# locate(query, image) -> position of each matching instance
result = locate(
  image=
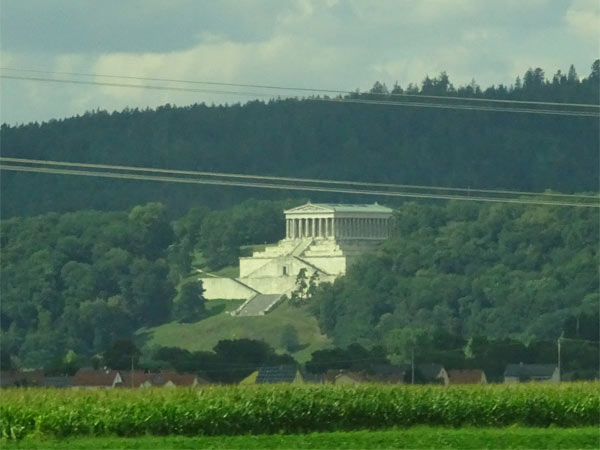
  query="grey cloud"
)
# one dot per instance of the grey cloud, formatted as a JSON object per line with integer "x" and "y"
{"x": 91, "y": 26}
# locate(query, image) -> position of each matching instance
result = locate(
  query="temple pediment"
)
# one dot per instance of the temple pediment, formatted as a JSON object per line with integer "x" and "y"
{"x": 309, "y": 208}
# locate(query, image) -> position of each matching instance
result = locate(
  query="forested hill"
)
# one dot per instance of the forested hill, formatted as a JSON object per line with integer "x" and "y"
{"x": 308, "y": 138}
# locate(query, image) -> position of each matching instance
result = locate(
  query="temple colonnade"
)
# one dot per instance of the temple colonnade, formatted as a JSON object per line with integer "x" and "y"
{"x": 334, "y": 227}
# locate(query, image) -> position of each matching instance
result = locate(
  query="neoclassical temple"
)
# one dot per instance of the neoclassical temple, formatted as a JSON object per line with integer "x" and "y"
{"x": 338, "y": 221}
{"x": 321, "y": 238}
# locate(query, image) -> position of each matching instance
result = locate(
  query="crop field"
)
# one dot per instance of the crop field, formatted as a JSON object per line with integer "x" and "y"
{"x": 285, "y": 409}
{"x": 410, "y": 438}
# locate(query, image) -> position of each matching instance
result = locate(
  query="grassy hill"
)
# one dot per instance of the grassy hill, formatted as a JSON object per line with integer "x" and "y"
{"x": 205, "y": 334}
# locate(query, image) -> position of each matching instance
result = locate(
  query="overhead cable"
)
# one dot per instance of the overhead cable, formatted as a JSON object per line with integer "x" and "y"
{"x": 338, "y": 100}
{"x": 299, "y": 89}
{"x": 467, "y": 191}
{"x": 292, "y": 187}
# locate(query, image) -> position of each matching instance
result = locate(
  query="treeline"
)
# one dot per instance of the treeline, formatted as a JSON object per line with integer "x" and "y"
{"x": 77, "y": 282}
{"x": 316, "y": 139}
{"x": 467, "y": 269}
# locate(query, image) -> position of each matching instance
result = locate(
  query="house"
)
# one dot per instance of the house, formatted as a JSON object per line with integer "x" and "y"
{"x": 90, "y": 378}
{"x": 347, "y": 377}
{"x": 279, "y": 374}
{"x": 387, "y": 374}
{"x": 431, "y": 373}
{"x": 9, "y": 378}
{"x": 382, "y": 374}
{"x": 518, "y": 373}
{"x": 171, "y": 380}
{"x": 58, "y": 381}
{"x": 467, "y": 376}
{"x": 308, "y": 377}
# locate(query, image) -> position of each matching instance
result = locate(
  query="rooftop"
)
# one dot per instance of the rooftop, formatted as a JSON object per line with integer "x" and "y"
{"x": 342, "y": 207}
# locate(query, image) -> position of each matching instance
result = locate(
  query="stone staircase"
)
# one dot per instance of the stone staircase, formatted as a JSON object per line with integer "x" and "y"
{"x": 258, "y": 305}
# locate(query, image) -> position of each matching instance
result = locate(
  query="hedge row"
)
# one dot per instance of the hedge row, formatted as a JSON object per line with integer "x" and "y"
{"x": 291, "y": 409}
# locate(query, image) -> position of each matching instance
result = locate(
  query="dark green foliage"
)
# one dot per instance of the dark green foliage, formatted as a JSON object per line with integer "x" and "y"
{"x": 313, "y": 139}
{"x": 189, "y": 305}
{"x": 500, "y": 271}
{"x": 82, "y": 280}
{"x": 221, "y": 233}
{"x": 122, "y": 354}
{"x": 230, "y": 361}
{"x": 289, "y": 338}
{"x": 355, "y": 357}
{"x": 289, "y": 410}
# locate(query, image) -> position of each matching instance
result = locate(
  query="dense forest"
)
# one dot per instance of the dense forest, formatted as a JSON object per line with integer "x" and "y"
{"x": 80, "y": 281}
{"x": 470, "y": 270}
{"x": 453, "y": 274}
{"x": 317, "y": 139}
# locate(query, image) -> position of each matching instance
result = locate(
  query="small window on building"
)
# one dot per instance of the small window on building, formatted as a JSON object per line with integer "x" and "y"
{"x": 284, "y": 270}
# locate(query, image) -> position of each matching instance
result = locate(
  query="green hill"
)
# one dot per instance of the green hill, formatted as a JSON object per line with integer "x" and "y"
{"x": 206, "y": 333}
{"x": 313, "y": 139}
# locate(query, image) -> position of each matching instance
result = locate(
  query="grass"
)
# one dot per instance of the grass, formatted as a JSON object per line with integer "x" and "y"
{"x": 289, "y": 409}
{"x": 410, "y": 438}
{"x": 205, "y": 334}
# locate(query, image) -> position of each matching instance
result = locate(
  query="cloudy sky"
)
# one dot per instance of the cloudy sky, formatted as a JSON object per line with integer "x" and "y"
{"x": 330, "y": 44}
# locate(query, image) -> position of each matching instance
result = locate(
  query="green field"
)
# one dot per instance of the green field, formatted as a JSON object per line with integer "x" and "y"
{"x": 205, "y": 334}
{"x": 288, "y": 409}
{"x": 410, "y": 438}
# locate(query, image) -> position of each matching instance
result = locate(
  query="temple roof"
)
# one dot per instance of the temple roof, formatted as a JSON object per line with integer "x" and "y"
{"x": 341, "y": 207}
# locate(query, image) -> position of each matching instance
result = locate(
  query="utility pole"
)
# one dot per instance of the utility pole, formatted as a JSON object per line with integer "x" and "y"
{"x": 558, "y": 342}
{"x": 131, "y": 370}
{"x": 412, "y": 365}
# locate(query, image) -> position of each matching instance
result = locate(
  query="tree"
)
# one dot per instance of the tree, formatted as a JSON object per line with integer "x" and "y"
{"x": 189, "y": 305}
{"x": 289, "y": 338}
{"x": 121, "y": 355}
{"x": 572, "y": 77}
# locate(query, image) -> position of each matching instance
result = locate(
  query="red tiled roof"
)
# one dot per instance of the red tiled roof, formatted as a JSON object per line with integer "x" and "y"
{"x": 94, "y": 378}
{"x": 472, "y": 376}
{"x": 14, "y": 378}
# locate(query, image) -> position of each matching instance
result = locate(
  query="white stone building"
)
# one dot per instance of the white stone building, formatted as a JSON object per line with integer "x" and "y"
{"x": 323, "y": 238}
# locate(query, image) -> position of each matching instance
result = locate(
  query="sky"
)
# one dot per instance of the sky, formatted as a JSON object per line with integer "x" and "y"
{"x": 326, "y": 44}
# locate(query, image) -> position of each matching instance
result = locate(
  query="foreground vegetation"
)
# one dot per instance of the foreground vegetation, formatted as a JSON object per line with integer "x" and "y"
{"x": 409, "y": 438}
{"x": 292, "y": 410}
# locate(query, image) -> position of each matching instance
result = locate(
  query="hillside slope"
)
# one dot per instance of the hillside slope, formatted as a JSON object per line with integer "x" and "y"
{"x": 205, "y": 334}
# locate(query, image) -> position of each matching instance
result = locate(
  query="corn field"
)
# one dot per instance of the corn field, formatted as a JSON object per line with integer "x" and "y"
{"x": 224, "y": 410}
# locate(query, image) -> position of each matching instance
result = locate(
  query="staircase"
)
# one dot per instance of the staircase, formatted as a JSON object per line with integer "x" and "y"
{"x": 258, "y": 305}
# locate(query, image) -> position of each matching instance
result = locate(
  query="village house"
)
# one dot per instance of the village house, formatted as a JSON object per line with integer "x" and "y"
{"x": 519, "y": 373}
{"x": 467, "y": 376}
{"x": 138, "y": 379}
{"x": 9, "y": 378}
{"x": 432, "y": 373}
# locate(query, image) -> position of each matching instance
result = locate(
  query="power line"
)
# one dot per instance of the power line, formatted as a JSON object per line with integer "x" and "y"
{"x": 137, "y": 86}
{"x": 292, "y": 179}
{"x": 338, "y": 100}
{"x": 297, "y": 89}
{"x": 288, "y": 187}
